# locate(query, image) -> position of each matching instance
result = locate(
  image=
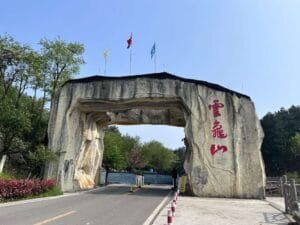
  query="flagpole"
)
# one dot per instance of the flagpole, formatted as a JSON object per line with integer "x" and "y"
{"x": 105, "y": 64}
{"x": 155, "y": 63}
{"x": 129, "y": 42}
{"x": 105, "y": 56}
{"x": 153, "y": 54}
{"x": 130, "y": 60}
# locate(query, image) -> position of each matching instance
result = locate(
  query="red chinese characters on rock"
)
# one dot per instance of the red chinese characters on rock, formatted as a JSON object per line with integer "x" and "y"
{"x": 214, "y": 149}
{"x": 215, "y": 108}
{"x": 217, "y": 129}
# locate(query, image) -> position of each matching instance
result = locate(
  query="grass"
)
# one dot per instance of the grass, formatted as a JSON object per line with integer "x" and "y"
{"x": 6, "y": 176}
{"x": 50, "y": 192}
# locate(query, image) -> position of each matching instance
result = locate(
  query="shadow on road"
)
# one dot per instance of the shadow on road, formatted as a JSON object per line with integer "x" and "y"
{"x": 145, "y": 191}
{"x": 149, "y": 191}
{"x": 275, "y": 218}
{"x": 113, "y": 190}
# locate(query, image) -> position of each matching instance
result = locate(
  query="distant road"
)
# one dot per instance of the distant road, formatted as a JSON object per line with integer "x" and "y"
{"x": 113, "y": 205}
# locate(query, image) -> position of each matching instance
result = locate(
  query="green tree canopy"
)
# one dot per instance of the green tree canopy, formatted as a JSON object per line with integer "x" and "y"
{"x": 126, "y": 153}
{"x": 117, "y": 149}
{"x": 279, "y": 144}
{"x": 26, "y": 74}
{"x": 158, "y": 157}
{"x": 60, "y": 60}
{"x": 294, "y": 144}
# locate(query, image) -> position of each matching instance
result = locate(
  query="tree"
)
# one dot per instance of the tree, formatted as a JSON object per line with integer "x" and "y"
{"x": 14, "y": 80}
{"x": 114, "y": 157}
{"x": 60, "y": 60}
{"x": 279, "y": 128}
{"x": 158, "y": 157}
{"x": 135, "y": 159}
{"x": 119, "y": 150}
{"x": 295, "y": 144}
{"x": 24, "y": 75}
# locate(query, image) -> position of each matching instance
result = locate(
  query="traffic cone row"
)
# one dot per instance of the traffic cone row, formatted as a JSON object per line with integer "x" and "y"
{"x": 171, "y": 212}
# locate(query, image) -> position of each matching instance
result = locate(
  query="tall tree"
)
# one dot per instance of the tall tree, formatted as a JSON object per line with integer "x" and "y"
{"x": 279, "y": 128}
{"x": 26, "y": 74}
{"x": 15, "y": 77}
{"x": 61, "y": 60}
{"x": 114, "y": 156}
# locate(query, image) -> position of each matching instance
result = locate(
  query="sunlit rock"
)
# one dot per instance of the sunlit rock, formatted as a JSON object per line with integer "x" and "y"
{"x": 223, "y": 133}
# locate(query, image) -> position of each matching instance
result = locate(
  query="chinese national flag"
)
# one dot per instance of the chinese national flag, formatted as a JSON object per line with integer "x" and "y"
{"x": 129, "y": 41}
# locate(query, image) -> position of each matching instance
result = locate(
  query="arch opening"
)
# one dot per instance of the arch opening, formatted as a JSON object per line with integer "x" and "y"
{"x": 100, "y": 114}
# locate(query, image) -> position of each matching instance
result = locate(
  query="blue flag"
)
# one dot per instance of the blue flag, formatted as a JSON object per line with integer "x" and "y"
{"x": 153, "y": 50}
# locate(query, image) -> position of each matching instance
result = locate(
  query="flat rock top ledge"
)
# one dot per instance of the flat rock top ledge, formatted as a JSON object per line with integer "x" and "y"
{"x": 223, "y": 135}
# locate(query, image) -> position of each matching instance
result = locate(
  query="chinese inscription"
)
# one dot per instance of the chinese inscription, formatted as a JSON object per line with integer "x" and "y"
{"x": 217, "y": 129}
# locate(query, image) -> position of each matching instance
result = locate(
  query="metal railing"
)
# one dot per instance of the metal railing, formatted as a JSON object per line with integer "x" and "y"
{"x": 291, "y": 200}
{"x": 274, "y": 186}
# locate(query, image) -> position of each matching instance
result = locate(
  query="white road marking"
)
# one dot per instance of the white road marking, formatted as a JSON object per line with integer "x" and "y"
{"x": 55, "y": 218}
{"x": 155, "y": 213}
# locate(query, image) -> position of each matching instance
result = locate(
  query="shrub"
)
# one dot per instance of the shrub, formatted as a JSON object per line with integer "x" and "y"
{"x": 10, "y": 189}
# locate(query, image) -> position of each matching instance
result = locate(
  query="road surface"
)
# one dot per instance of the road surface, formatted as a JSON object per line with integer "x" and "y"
{"x": 113, "y": 205}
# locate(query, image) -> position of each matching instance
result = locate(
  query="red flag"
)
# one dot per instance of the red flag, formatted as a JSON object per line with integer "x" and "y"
{"x": 129, "y": 41}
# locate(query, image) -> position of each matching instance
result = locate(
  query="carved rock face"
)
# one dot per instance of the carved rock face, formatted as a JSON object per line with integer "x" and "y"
{"x": 223, "y": 134}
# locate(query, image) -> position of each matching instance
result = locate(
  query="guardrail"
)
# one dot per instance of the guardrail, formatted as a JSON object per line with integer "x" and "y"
{"x": 291, "y": 201}
{"x": 274, "y": 186}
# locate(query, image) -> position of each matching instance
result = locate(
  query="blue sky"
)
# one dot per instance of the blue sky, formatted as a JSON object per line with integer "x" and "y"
{"x": 250, "y": 46}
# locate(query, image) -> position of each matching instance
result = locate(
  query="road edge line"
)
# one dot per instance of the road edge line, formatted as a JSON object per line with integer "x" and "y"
{"x": 20, "y": 202}
{"x": 157, "y": 210}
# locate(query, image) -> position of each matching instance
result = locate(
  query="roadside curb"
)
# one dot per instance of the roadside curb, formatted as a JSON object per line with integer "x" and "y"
{"x": 278, "y": 207}
{"x": 157, "y": 210}
{"x": 6, "y": 204}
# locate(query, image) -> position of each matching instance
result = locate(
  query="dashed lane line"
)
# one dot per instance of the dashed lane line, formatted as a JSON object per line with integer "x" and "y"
{"x": 55, "y": 218}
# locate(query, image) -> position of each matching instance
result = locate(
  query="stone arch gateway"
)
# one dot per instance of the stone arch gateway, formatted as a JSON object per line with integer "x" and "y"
{"x": 223, "y": 133}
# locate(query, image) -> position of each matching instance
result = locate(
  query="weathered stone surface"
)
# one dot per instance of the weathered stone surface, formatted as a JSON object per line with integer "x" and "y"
{"x": 223, "y": 159}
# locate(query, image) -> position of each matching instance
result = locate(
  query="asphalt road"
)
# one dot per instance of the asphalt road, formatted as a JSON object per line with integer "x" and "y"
{"x": 113, "y": 205}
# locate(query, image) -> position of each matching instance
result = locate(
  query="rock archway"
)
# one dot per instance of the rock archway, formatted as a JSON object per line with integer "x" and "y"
{"x": 223, "y": 133}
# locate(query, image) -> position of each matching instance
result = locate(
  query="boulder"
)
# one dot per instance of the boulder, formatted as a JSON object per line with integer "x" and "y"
{"x": 223, "y": 135}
